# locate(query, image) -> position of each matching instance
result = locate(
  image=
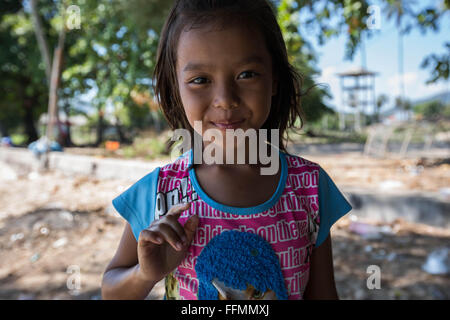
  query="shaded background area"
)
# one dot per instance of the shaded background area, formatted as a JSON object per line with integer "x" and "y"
{"x": 51, "y": 221}
{"x": 389, "y": 154}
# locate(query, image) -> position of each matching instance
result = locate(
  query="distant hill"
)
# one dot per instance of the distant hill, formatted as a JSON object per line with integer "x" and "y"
{"x": 444, "y": 97}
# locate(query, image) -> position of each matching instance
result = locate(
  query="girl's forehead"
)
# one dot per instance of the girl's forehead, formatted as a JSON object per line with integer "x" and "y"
{"x": 229, "y": 45}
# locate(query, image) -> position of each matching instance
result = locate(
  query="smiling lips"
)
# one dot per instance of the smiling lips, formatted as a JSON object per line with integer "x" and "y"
{"x": 228, "y": 124}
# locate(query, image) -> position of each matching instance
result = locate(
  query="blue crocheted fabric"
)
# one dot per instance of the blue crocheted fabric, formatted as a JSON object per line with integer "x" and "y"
{"x": 238, "y": 259}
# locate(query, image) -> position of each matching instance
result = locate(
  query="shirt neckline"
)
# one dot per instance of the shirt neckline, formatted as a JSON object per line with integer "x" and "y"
{"x": 241, "y": 210}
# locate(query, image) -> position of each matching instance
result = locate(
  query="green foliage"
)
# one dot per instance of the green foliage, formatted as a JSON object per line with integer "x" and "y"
{"x": 146, "y": 147}
{"x": 440, "y": 65}
{"x": 327, "y": 19}
{"x": 114, "y": 57}
{"x": 433, "y": 110}
{"x": 425, "y": 19}
{"x": 113, "y": 52}
{"x": 302, "y": 56}
{"x": 18, "y": 139}
{"x": 403, "y": 104}
{"x": 22, "y": 78}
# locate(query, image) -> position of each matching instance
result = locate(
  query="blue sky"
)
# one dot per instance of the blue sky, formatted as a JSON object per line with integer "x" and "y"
{"x": 381, "y": 52}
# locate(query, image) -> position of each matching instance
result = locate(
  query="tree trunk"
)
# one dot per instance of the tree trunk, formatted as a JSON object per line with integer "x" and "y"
{"x": 68, "y": 137}
{"x": 54, "y": 85}
{"x": 377, "y": 116}
{"x": 100, "y": 128}
{"x": 28, "y": 120}
{"x": 69, "y": 142}
{"x": 41, "y": 40}
{"x": 122, "y": 138}
{"x": 3, "y": 130}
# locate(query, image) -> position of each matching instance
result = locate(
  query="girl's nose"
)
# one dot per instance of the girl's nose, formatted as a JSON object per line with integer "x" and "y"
{"x": 225, "y": 97}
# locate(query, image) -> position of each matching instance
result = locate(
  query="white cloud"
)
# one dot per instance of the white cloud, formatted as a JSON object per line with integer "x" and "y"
{"x": 421, "y": 90}
{"x": 331, "y": 81}
{"x": 328, "y": 74}
{"x": 415, "y": 86}
{"x": 409, "y": 78}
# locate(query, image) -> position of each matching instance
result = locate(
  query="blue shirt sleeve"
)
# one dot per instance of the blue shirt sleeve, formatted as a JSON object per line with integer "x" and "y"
{"x": 332, "y": 206}
{"x": 137, "y": 204}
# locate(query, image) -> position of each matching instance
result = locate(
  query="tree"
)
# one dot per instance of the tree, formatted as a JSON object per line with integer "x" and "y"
{"x": 115, "y": 55}
{"x": 381, "y": 101}
{"x": 440, "y": 65}
{"x": 41, "y": 39}
{"x": 326, "y": 19}
{"x": 303, "y": 58}
{"x": 433, "y": 110}
{"x": 53, "y": 70}
{"x": 428, "y": 19}
{"x": 398, "y": 9}
{"x": 405, "y": 105}
{"x": 23, "y": 86}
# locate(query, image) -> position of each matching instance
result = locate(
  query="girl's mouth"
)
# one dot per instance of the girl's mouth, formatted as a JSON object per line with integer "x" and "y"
{"x": 228, "y": 124}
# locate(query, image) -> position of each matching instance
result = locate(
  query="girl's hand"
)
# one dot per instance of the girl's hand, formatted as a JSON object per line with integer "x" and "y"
{"x": 163, "y": 245}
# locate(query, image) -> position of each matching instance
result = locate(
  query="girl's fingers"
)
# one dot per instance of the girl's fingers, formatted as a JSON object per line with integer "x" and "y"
{"x": 172, "y": 221}
{"x": 148, "y": 235}
{"x": 169, "y": 235}
{"x": 164, "y": 234}
{"x": 168, "y": 229}
{"x": 172, "y": 218}
{"x": 190, "y": 227}
{"x": 178, "y": 209}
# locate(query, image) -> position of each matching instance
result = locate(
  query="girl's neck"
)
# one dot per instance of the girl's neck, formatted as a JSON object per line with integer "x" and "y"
{"x": 243, "y": 155}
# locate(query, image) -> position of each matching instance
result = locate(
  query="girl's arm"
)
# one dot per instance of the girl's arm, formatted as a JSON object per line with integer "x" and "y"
{"x": 122, "y": 278}
{"x": 138, "y": 266}
{"x": 321, "y": 284}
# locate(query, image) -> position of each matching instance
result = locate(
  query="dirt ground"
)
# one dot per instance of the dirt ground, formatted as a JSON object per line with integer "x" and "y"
{"x": 352, "y": 170}
{"x": 58, "y": 233}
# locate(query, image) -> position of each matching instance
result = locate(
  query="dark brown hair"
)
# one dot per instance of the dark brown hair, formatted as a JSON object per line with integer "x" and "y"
{"x": 189, "y": 14}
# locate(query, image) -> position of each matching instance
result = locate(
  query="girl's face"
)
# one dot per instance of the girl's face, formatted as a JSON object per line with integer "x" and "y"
{"x": 225, "y": 77}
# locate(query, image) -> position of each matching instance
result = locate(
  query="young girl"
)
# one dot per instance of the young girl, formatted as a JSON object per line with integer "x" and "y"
{"x": 226, "y": 231}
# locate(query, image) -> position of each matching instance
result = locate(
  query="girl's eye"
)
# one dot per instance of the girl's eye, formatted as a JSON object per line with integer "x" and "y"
{"x": 250, "y": 74}
{"x": 243, "y": 75}
{"x": 198, "y": 80}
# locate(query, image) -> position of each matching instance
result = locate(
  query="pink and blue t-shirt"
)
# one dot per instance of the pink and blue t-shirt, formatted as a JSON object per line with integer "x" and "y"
{"x": 266, "y": 247}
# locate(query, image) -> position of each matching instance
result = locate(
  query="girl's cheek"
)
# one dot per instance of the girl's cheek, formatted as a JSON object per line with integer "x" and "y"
{"x": 194, "y": 112}
{"x": 193, "y": 103}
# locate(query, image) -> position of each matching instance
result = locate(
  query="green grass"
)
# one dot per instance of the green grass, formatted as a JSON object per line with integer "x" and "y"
{"x": 327, "y": 137}
{"x": 146, "y": 147}
{"x": 19, "y": 139}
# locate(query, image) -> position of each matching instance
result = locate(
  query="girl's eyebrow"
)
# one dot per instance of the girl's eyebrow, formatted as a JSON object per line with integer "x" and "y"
{"x": 192, "y": 66}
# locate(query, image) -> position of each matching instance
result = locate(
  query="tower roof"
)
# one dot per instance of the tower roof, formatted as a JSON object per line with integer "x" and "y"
{"x": 357, "y": 72}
